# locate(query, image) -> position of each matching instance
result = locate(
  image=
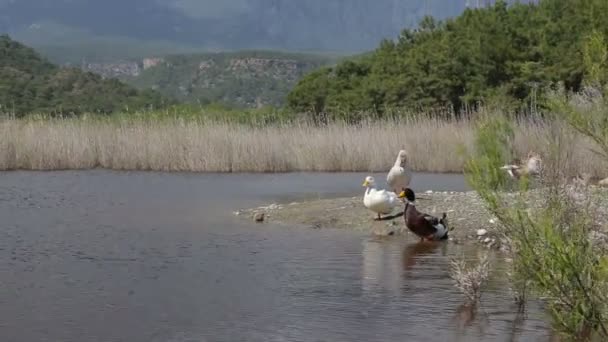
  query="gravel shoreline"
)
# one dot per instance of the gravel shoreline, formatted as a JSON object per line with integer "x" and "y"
{"x": 468, "y": 219}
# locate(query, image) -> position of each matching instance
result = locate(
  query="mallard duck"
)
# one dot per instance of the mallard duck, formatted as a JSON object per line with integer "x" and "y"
{"x": 399, "y": 176}
{"x": 532, "y": 167}
{"x": 378, "y": 201}
{"x": 423, "y": 225}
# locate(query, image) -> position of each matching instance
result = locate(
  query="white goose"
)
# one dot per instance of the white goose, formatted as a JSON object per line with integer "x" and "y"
{"x": 379, "y": 201}
{"x": 399, "y": 176}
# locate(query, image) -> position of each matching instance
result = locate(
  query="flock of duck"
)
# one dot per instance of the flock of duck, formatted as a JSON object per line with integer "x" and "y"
{"x": 425, "y": 226}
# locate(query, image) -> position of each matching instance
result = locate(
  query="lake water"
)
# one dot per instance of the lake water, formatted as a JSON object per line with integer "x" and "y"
{"x": 127, "y": 256}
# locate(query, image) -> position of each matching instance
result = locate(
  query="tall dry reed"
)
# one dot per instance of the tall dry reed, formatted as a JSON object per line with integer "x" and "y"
{"x": 178, "y": 145}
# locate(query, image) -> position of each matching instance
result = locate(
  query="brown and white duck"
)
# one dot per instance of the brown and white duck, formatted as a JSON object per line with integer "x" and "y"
{"x": 425, "y": 226}
{"x": 532, "y": 167}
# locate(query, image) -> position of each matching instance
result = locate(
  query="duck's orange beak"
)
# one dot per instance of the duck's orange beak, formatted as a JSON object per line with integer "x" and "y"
{"x": 402, "y": 194}
{"x": 366, "y": 183}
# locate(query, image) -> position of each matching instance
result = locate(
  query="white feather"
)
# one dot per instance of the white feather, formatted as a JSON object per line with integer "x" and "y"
{"x": 509, "y": 169}
{"x": 441, "y": 230}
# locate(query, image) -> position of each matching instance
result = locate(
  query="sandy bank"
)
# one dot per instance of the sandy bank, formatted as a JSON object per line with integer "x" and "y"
{"x": 468, "y": 217}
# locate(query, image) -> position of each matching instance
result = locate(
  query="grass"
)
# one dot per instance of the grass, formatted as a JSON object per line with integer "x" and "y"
{"x": 178, "y": 144}
{"x": 470, "y": 280}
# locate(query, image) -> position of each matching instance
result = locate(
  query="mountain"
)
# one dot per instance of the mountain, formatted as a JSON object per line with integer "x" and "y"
{"x": 66, "y": 45}
{"x": 31, "y": 84}
{"x": 312, "y": 25}
{"x": 236, "y": 79}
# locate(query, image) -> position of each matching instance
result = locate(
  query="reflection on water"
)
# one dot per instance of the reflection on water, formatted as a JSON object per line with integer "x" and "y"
{"x": 416, "y": 274}
{"x": 381, "y": 270}
{"x": 465, "y": 315}
{"x": 107, "y": 256}
{"x": 415, "y": 251}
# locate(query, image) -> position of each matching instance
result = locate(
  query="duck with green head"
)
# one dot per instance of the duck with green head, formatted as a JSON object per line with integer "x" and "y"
{"x": 425, "y": 226}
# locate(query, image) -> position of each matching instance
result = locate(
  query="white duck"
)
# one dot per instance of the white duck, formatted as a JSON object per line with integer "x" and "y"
{"x": 399, "y": 176}
{"x": 379, "y": 201}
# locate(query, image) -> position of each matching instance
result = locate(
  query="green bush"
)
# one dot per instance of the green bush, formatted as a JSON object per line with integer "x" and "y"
{"x": 550, "y": 227}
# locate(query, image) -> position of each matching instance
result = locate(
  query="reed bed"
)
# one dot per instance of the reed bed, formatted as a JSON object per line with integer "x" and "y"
{"x": 434, "y": 145}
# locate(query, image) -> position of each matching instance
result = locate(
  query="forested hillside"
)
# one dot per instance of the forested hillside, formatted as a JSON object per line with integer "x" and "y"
{"x": 502, "y": 53}
{"x": 30, "y": 83}
{"x": 239, "y": 79}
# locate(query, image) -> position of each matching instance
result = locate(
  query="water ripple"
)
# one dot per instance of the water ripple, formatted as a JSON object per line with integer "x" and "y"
{"x": 106, "y": 256}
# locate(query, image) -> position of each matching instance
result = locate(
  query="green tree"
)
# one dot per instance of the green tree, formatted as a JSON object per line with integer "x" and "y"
{"x": 595, "y": 59}
{"x": 513, "y": 53}
{"x": 29, "y": 83}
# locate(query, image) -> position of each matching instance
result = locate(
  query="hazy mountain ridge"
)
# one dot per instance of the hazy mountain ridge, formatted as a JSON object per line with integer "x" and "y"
{"x": 113, "y": 38}
{"x": 337, "y": 25}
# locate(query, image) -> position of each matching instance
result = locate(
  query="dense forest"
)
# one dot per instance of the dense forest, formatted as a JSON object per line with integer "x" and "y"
{"x": 502, "y": 53}
{"x": 30, "y": 83}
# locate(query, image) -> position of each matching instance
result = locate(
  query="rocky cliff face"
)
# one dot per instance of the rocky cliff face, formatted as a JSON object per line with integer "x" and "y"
{"x": 122, "y": 70}
{"x": 113, "y": 70}
{"x": 246, "y": 79}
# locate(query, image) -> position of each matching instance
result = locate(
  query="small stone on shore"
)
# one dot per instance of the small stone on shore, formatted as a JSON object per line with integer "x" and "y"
{"x": 258, "y": 217}
{"x": 481, "y": 232}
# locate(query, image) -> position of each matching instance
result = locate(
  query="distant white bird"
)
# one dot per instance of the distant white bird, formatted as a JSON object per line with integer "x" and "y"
{"x": 399, "y": 176}
{"x": 378, "y": 201}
